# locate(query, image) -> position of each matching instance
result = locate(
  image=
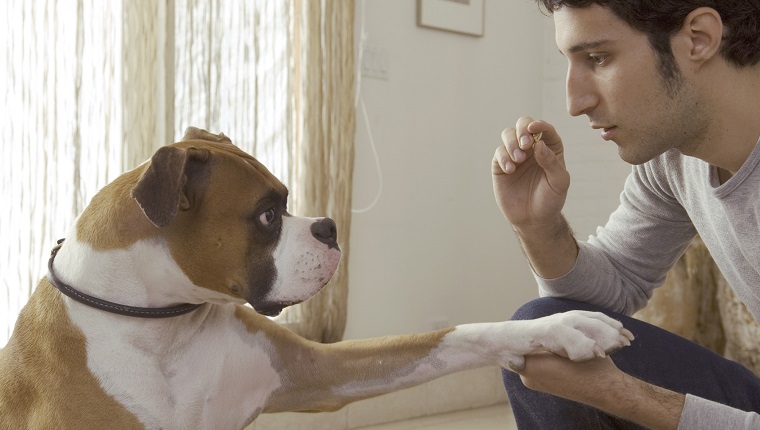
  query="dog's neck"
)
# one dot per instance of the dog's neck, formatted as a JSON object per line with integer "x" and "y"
{"x": 142, "y": 275}
{"x": 111, "y": 307}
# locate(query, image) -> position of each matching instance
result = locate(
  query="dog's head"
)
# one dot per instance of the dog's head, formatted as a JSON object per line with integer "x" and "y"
{"x": 224, "y": 219}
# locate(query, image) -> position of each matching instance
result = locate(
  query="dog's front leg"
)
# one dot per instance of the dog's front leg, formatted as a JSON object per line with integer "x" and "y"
{"x": 326, "y": 377}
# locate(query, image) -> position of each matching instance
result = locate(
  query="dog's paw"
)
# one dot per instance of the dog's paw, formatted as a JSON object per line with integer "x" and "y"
{"x": 580, "y": 335}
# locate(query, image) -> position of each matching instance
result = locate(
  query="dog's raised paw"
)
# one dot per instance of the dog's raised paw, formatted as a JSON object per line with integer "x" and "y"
{"x": 581, "y": 335}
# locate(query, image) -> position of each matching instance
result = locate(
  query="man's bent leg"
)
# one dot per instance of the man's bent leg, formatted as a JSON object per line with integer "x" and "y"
{"x": 656, "y": 356}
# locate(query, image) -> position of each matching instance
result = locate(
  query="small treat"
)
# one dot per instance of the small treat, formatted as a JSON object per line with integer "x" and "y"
{"x": 537, "y": 136}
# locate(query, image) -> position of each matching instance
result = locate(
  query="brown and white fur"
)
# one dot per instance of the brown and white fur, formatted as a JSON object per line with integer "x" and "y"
{"x": 203, "y": 222}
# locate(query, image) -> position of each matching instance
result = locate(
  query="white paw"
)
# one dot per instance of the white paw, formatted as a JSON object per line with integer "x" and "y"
{"x": 579, "y": 335}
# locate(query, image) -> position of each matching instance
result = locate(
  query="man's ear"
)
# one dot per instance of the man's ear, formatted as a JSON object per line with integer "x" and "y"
{"x": 160, "y": 191}
{"x": 703, "y": 29}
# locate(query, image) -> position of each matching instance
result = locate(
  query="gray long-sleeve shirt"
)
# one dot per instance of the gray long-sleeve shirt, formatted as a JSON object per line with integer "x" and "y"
{"x": 665, "y": 203}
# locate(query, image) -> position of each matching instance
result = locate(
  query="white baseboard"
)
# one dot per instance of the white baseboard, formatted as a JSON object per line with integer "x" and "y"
{"x": 464, "y": 390}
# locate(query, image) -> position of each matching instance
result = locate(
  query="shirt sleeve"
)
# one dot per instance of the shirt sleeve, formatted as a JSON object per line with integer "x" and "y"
{"x": 699, "y": 414}
{"x": 620, "y": 266}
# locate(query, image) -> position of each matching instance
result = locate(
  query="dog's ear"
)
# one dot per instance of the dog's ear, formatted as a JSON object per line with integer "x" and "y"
{"x": 160, "y": 191}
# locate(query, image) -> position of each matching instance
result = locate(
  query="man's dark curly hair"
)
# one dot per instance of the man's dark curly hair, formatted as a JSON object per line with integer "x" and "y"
{"x": 660, "y": 19}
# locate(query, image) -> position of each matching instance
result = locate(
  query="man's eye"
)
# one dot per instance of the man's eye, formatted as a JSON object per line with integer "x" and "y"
{"x": 267, "y": 217}
{"x": 597, "y": 59}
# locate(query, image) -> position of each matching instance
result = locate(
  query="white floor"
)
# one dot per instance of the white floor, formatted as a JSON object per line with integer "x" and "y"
{"x": 497, "y": 417}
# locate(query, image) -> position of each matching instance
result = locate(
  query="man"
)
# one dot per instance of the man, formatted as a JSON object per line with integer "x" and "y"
{"x": 676, "y": 85}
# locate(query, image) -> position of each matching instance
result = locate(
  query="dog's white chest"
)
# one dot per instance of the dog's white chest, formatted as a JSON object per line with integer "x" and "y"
{"x": 198, "y": 382}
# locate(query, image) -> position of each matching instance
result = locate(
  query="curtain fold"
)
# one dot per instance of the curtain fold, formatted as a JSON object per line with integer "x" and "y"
{"x": 324, "y": 128}
{"x": 147, "y": 101}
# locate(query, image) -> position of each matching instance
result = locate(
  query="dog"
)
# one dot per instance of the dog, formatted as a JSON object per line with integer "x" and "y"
{"x": 142, "y": 323}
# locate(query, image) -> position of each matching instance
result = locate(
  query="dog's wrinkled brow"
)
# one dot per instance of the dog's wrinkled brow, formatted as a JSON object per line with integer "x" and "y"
{"x": 275, "y": 196}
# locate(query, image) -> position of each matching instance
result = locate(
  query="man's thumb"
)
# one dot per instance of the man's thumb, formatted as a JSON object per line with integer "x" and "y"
{"x": 558, "y": 177}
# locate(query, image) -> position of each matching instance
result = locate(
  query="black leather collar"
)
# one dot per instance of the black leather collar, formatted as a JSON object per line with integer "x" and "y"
{"x": 104, "y": 305}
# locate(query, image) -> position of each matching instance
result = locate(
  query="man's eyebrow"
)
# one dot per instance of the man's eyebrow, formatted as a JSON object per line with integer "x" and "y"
{"x": 586, "y": 46}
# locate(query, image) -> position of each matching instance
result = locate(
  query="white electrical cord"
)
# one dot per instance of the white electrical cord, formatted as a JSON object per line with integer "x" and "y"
{"x": 359, "y": 101}
{"x": 377, "y": 165}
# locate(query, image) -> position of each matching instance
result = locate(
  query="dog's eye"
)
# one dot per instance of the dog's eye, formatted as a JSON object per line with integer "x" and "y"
{"x": 267, "y": 218}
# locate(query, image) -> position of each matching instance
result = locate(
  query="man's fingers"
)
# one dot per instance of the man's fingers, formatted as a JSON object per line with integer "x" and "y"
{"x": 556, "y": 174}
{"x": 511, "y": 145}
{"x": 502, "y": 163}
{"x": 545, "y": 157}
{"x": 520, "y": 144}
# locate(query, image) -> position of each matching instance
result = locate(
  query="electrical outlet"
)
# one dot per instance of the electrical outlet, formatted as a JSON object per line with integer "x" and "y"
{"x": 375, "y": 62}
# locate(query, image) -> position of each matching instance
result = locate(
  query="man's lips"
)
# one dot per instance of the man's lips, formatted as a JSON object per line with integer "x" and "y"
{"x": 606, "y": 131}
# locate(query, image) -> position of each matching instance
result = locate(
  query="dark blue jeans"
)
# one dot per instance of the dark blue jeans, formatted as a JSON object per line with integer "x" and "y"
{"x": 656, "y": 356}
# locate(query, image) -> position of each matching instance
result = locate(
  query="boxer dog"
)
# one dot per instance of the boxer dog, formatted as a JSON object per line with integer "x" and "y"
{"x": 141, "y": 324}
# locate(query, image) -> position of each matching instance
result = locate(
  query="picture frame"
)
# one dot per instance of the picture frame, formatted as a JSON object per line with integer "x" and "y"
{"x": 458, "y": 16}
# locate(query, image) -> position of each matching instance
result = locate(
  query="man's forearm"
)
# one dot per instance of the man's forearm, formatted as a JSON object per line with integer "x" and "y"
{"x": 551, "y": 248}
{"x": 642, "y": 403}
{"x": 599, "y": 383}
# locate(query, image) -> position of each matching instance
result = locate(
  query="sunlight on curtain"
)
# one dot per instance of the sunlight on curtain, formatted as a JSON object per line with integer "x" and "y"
{"x": 61, "y": 140}
{"x": 232, "y": 65}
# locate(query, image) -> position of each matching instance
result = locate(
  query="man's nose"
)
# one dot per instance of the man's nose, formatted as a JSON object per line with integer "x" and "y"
{"x": 581, "y": 93}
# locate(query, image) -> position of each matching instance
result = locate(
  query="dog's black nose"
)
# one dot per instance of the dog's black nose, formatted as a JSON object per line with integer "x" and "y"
{"x": 326, "y": 232}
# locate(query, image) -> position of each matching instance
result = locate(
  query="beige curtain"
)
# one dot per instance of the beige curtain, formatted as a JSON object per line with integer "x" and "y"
{"x": 60, "y": 80}
{"x": 324, "y": 130}
{"x": 94, "y": 88}
{"x": 233, "y": 74}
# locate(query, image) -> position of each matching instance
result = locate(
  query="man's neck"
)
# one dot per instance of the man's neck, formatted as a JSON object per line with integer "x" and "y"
{"x": 724, "y": 175}
{"x": 734, "y": 128}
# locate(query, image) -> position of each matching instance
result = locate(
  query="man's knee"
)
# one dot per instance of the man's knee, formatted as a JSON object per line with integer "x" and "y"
{"x": 546, "y": 306}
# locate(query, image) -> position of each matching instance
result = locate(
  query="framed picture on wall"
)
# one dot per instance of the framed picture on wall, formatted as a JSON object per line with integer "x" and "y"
{"x": 459, "y": 16}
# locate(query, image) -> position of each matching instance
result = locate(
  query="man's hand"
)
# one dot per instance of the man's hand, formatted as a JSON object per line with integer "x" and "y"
{"x": 599, "y": 383}
{"x": 530, "y": 180}
{"x": 530, "y": 183}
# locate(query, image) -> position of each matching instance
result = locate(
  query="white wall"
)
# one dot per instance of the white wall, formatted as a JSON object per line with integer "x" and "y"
{"x": 435, "y": 250}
